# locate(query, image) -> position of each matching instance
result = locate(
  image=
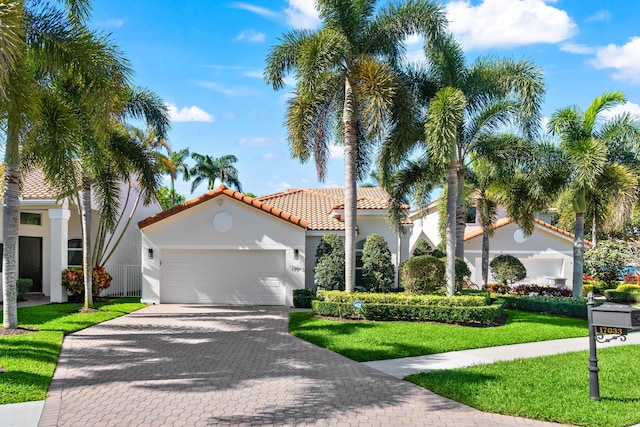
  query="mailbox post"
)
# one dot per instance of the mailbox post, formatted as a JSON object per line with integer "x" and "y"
{"x": 606, "y": 319}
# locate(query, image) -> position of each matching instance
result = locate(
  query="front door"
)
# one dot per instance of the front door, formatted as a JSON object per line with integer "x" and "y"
{"x": 30, "y": 261}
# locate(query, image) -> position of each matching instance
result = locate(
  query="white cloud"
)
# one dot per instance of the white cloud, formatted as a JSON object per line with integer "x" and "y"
{"x": 257, "y": 142}
{"x": 336, "y": 151}
{"x": 624, "y": 59}
{"x": 255, "y": 9}
{"x": 508, "y": 23}
{"x": 188, "y": 114}
{"x": 270, "y": 156}
{"x": 602, "y": 15}
{"x": 252, "y": 36}
{"x": 258, "y": 74}
{"x": 230, "y": 91}
{"x": 627, "y": 107}
{"x": 278, "y": 186}
{"x": 113, "y": 23}
{"x": 302, "y": 14}
{"x": 580, "y": 49}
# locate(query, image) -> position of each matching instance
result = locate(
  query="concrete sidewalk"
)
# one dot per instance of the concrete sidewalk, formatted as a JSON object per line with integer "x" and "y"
{"x": 400, "y": 368}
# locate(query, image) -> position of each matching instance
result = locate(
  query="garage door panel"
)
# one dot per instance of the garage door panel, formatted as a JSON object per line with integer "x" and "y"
{"x": 223, "y": 277}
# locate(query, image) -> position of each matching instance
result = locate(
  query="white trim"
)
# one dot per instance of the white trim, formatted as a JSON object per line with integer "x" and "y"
{"x": 320, "y": 233}
{"x": 34, "y": 202}
{"x": 275, "y": 247}
{"x": 467, "y": 251}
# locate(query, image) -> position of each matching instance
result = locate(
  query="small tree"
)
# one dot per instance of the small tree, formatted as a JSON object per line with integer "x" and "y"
{"x": 377, "y": 268}
{"x": 329, "y": 269}
{"x": 422, "y": 248}
{"x": 507, "y": 269}
{"x": 607, "y": 261}
{"x": 423, "y": 275}
{"x": 462, "y": 272}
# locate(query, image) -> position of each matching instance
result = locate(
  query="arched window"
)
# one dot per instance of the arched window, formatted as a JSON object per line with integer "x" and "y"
{"x": 75, "y": 253}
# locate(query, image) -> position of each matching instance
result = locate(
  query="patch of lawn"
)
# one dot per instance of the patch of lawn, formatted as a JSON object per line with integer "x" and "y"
{"x": 30, "y": 360}
{"x": 550, "y": 388}
{"x": 365, "y": 341}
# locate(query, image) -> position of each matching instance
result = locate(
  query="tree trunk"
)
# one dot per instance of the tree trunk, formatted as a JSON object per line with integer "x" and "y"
{"x": 350, "y": 198}
{"x": 594, "y": 230}
{"x": 10, "y": 222}
{"x": 451, "y": 226}
{"x": 578, "y": 255}
{"x": 86, "y": 241}
{"x": 485, "y": 255}
{"x": 173, "y": 193}
{"x": 461, "y": 214}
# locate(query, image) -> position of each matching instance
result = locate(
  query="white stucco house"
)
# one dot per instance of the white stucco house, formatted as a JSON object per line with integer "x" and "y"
{"x": 547, "y": 253}
{"x": 224, "y": 247}
{"x": 50, "y": 239}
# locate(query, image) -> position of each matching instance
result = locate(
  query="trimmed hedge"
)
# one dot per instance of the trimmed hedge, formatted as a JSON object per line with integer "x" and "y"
{"x": 485, "y": 315}
{"x": 302, "y": 298}
{"x": 622, "y": 296}
{"x": 403, "y": 299}
{"x": 628, "y": 288}
{"x": 570, "y": 307}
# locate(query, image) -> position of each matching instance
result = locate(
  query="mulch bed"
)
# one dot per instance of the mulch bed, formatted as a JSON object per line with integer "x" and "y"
{"x": 16, "y": 331}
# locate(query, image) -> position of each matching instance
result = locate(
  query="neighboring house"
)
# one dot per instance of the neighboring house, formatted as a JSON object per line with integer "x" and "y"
{"x": 547, "y": 253}
{"x": 224, "y": 247}
{"x": 50, "y": 239}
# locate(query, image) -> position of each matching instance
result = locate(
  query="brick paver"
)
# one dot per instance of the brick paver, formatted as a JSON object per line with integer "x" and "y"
{"x": 198, "y": 365}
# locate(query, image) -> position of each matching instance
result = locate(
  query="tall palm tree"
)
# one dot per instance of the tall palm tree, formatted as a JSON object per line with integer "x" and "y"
{"x": 348, "y": 87}
{"x": 208, "y": 168}
{"x": 12, "y": 42}
{"x": 178, "y": 166}
{"x": 498, "y": 93}
{"x": 593, "y": 153}
{"x": 53, "y": 39}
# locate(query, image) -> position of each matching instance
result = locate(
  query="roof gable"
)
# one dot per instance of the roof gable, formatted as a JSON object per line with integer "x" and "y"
{"x": 506, "y": 221}
{"x": 222, "y": 190}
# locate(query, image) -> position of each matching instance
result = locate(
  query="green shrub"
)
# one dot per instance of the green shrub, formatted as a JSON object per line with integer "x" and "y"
{"x": 377, "y": 269}
{"x": 73, "y": 280}
{"x": 421, "y": 313}
{"x": 329, "y": 270}
{"x": 462, "y": 273}
{"x": 22, "y": 287}
{"x": 617, "y": 296}
{"x": 607, "y": 261}
{"x": 423, "y": 274}
{"x": 628, "y": 288}
{"x": 570, "y": 307}
{"x": 507, "y": 269}
{"x": 402, "y": 299}
{"x": 302, "y": 298}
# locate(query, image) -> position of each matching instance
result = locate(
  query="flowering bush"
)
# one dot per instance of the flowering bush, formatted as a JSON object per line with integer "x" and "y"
{"x": 498, "y": 288}
{"x": 73, "y": 280}
{"x": 631, "y": 279}
{"x": 536, "y": 290}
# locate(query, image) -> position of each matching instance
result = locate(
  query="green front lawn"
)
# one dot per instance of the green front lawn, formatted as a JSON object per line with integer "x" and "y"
{"x": 365, "y": 341}
{"x": 29, "y": 360}
{"x": 550, "y": 388}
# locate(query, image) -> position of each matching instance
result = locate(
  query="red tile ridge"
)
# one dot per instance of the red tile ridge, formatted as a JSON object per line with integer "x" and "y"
{"x": 222, "y": 189}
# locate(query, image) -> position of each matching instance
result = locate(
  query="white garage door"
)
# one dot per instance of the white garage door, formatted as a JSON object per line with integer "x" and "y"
{"x": 223, "y": 277}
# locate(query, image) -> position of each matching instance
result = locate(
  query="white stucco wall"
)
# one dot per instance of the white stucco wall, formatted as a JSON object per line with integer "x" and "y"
{"x": 252, "y": 229}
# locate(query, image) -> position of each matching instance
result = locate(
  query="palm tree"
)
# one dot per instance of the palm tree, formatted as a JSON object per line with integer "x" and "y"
{"x": 211, "y": 168}
{"x": 498, "y": 93}
{"x": 348, "y": 86}
{"x": 12, "y": 42}
{"x": 51, "y": 40}
{"x": 593, "y": 154}
{"x": 178, "y": 166}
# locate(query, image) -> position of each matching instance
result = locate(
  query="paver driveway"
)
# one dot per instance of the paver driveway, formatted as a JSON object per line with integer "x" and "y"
{"x": 203, "y": 365}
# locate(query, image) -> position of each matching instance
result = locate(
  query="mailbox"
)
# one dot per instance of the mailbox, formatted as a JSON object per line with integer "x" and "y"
{"x": 616, "y": 316}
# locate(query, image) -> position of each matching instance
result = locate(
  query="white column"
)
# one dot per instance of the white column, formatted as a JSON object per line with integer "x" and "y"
{"x": 59, "y": 219}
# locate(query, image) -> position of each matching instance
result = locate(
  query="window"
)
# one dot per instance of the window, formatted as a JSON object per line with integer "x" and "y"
{"x": 74, "y": 258}
{"x": 30, "y": 218}
{"x": 471, "y": 215}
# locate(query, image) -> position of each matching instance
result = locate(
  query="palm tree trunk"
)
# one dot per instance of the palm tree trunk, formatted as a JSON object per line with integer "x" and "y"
{"x": 461, "y": 215}
{"x": 350, "y": 158}
{"x": 578, "y": 255}
{"x": 173, "y": 192}
{"x": 485, "y": 255}
{"x": 10, "y": 222}
{"x": 452, "y": 179}
{"x": 594, "y": 230}
{"x": 86, "y": 241}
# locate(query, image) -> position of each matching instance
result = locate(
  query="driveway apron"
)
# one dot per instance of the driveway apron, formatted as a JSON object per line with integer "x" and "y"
{"x": 201, "y": 365}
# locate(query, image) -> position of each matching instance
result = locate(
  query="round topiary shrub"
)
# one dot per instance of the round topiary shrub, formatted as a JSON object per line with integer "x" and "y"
{"x": 377, "y": 269}
{"x": 328, "y": 244}
{"x": 423, "y": 275}
{"x": 507, "y": 269}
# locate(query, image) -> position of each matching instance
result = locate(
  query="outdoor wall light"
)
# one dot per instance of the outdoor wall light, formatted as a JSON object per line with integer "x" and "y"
{"x": 296, "y": 254}
{"x": 150, "y": 253}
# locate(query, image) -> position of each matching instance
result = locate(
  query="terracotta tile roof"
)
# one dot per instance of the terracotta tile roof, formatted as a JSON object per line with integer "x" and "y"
{"x": 33, "y": 186}
{"x": 223, "y": 190}
{"x": 505, "y": 221}
{"x": 318, "y": 205}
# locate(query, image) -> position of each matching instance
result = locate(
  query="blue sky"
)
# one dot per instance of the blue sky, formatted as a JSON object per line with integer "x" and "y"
{"x": 205, "y": 59}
